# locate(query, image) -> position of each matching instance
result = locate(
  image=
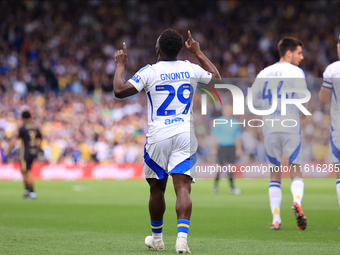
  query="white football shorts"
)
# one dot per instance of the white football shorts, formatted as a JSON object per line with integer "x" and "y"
{"x": 174, "y": 155}
{"x": 335, "y": 147}
{"x": 278, "y": 143}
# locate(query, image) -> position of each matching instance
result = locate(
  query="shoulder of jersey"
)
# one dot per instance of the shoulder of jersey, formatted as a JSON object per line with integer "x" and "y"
{"x": 144, "y": 68}
{"x": 262, "y": 73}
{"x": 286, "y": 66}
{"x": 299, "y": 70}
{"x": 175, "y": 61}
{"x": 332, "y": 65}
{"x": 268, "y": 68}
{"x": 152, "y": 66}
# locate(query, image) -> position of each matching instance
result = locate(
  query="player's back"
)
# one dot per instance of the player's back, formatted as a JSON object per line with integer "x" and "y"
{"x": 282, "y": 70}
{"x": 28, "y": 134}
{"x": 275, "y": 77}
{"x": 332, "y": 81}
{"x": 169, "y": 86}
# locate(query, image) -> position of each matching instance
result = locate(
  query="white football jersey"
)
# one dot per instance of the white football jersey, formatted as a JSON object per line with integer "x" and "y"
{"x": 169, "y": 86}
{"x": 331, "y": 80}
{"x": 279, "y": 75}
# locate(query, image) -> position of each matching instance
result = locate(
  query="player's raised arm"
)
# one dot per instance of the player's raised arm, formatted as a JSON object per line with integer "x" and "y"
{"x": 121, "y": 88}
{"x": 194, "y": 47}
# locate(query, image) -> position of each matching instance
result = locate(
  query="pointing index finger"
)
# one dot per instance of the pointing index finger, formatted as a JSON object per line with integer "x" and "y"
{"x": 189, "y": 34}
{"x": 124, "y": 48}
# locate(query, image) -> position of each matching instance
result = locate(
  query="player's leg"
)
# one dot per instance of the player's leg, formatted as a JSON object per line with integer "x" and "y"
{"x": 182, "y": 185}
{"x": 297, "y": 189}
{"x": 336, "y": 167}
{"x": 23, "y": 165}
{"x": 182, "y": 168}
{"x": 231, "y": 181}
{"x": 217, "y": 178}
{"x": 156, "y": 210}
{"x": 273, "y": 149}
{"x": 275, "y": 196}
{"x": 220, "y": 160}
{"x": 24, "y": 177}
{"x": 30, "y": 183}
{"x": 293, "y": 152}
{"x": 157, "y": 202}
{"x": 297, "y": 185}
{"x": 29, "y": 179}
{"x": 155, "y": 163}
{"x": 157, "y": 205}
{"x": 338, "y": 183}
{"x": 335, "y": 158}
{"x": 231, "y": 159}
{"x": 233, "y": 190}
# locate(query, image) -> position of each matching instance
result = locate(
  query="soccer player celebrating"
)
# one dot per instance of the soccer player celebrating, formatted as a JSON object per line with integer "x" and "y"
{"x": 30, "y": 143}
{"x": 171, "y": 144}
{"x": 279, "y": 139}
{"x": 331, "y": 83}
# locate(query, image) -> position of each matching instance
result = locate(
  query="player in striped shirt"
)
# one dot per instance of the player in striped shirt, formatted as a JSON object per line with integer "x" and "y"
{"x": 331, "y": 88}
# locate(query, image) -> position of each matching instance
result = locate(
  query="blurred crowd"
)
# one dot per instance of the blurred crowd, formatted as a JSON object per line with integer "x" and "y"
{"x": 57, "y": 58}
{"x": 79, "y": 128}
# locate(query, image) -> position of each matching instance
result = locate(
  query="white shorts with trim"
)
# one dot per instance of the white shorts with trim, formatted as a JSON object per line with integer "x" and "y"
{"x": 335, "y": 146}
{"x": 174, "y": 155}
{"x": 279, "y": 143}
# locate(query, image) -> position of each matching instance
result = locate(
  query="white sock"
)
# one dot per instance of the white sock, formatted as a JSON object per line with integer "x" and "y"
{"x": 182, "y": 235}
{"x": 275, "y": 197}
{"x": 156, "y": 236}
{"x": 338, "y": 188}
{"x": 297, "y": 188}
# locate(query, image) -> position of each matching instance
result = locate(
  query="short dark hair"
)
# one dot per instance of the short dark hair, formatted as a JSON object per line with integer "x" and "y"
{"x": 288, "y": 43}
{"x": 171, "y": 43}
{"x": 26, "y": 115}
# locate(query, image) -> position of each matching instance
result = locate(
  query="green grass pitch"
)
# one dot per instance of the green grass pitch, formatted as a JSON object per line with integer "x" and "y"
{"x": 111, "y": 217}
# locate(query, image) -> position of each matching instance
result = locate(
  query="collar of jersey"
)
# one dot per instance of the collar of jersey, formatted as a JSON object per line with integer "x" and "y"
{"x": 167, "y": 60}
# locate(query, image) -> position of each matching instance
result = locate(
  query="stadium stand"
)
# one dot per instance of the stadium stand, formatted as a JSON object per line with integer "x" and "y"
{"x": 58, "y": 60}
